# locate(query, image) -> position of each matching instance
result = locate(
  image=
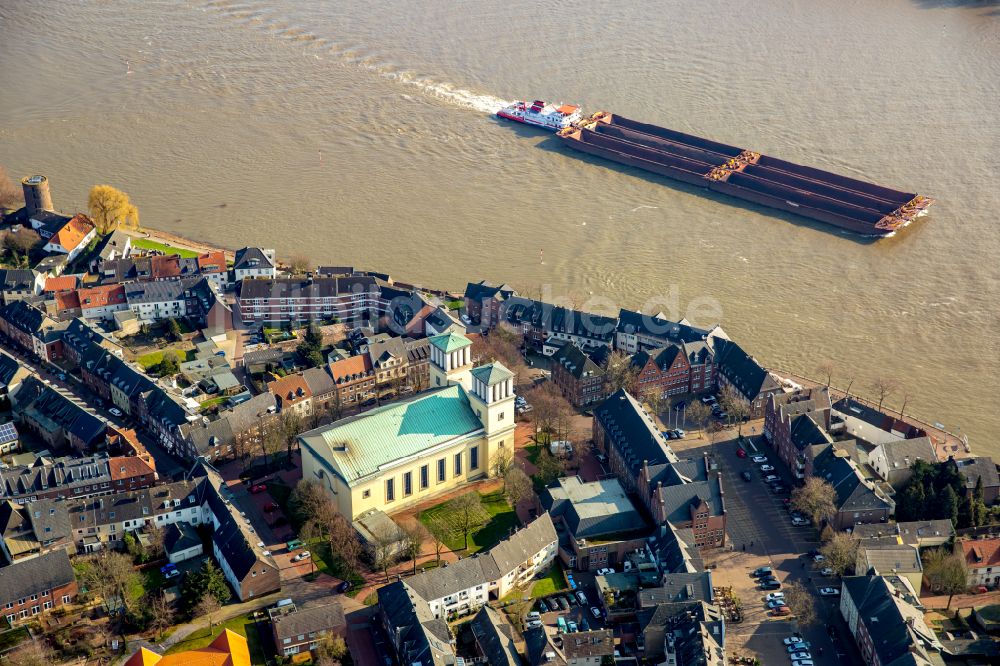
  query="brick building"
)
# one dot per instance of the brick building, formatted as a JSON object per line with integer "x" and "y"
{"x": 580, "y": 379}
{"x": 33, "y": 586}
{"x": 687, "y": 367}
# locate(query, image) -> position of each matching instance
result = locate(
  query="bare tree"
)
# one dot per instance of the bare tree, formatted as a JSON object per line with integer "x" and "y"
{"x": 11, "y": 195}
{"x": 469, "y": 513}
{"x": 840, "y": 552}
{"x": 299, "y": 264}
{"x": 619, "y": 373}
{"x": 22, "y": 241}
{"x": 208, "y": 606}
{"x": 386, "y": 546}
{"x": 815, "y": 499}
{"x": 309, "y": 504}
{"x": 699, "y": 414}
{"x": 416, "y": 536}
{"x": 800, "y": 602}
{"x": 826, "y": 369}
{"x": 883, "y": 387}
{"x": 847, "y": 391}
{"x": 439, "y": 530}
{"x": 161, "y": 614}
{"x": 517, "y": 486}
{"x": 502, "y": 344}
{"x": 735, "y": 406}
{"x": 110, "y": 576}
{"x": 657, "y": 402}
{"x": 902, "y": 410}
{"x": 155, "y": 536}
{"x": 500, "y": 463}
{"x": 947, "y": 573}
{"x": 30, "y": 653}
{"x": 344, "y": 541}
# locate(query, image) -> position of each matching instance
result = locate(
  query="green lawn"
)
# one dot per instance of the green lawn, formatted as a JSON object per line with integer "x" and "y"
{"x": 12, "y": 637}
{"x": 212, "y": 402}
{"x": 240, "y": 624}
{"x": 152, "y": 359}
{"x": 146, "y": 244}
{"x": 554, "y": 582}
{"x": 501, "y": 519}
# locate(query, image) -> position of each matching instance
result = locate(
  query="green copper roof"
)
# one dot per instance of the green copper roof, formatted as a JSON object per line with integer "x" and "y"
{"x": 449, "y": 342}
{"x": 491, "y": 374}
{"x": 359, "y": 445}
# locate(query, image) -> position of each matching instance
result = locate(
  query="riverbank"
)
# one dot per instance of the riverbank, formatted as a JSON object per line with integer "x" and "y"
{"x": 173, "y": 241}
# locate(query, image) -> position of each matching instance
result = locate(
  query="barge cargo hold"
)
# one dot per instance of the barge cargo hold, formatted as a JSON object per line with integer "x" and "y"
{"x": 856, "y": 205}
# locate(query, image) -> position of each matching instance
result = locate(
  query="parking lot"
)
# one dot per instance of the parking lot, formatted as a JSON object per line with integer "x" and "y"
{"x": 760, "y": 533}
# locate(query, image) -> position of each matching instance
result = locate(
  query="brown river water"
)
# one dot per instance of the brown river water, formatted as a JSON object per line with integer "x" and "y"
{"x": 360, "y": 133}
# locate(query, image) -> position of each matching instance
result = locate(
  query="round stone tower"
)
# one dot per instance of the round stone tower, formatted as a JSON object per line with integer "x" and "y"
{"x": 36, "y": 194}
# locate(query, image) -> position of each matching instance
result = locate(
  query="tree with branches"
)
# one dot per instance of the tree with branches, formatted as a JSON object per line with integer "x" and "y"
{"x": 386, "y": 546}
{"x": 699, "y": 414}
{"x": 826, "y": 369}
{"x": 657, "y": 402}
{"x": 801, "y": 603}
{"x": 517, "y": 486}
{"x": 619, "y": 373}
{"x": 344, "y": 542}
{"x": 208, "y": 606}
{"x": 503, "y": 344}
{"x": 413, "y": 543}
{"x": 947, "y": 573}
{"x": 161, "y": 613}
{"x": 33, "y": 652}
{"x": 734, "y": 405}
{"x": 816, "y": 499}
{"x": 111, "y": 209}
{"x": 469, "y": 513}
{"x": 500, "y": 463}
{"x": 299, "y": 264}
{"x": 549, "y": 467}
{"x": 11, "y": 196}
{"x": 110, "y": 575}
{"x": 840, "y": 552}
{"x": 883, "y": 387}
{"x": 438, "y": 531}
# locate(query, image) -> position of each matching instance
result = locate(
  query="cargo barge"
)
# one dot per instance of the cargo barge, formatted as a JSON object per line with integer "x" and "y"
{"x": 855, "y": 205}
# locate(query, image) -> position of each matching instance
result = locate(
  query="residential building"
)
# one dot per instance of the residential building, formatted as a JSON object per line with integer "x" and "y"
{"x": 72, "y": 237}
{"x": 253, "y": 262}
{"x": 280, "y": 300}
{"x": 859, "y": 500}
{"x": 748, "y": 380}
{"x": 102, "y": 302}
{"x": 12, "y": 373}
{"x": 33, "y": 529}
{"x": 301, "y": 629}
{"x": 416, "y": 635}
{"x": 547, "y": 324}
{"x": 181, "y": 542}
{"x": 389, "y": 359}
{"x": 163, "y": 299}
{"x": 440, "y": 320}
{"x": 292, "y": 394}
{"x": 54, "y": 285}
{"x": 899, "y": 559}
{"x": 116, "y": 245}
{"x": 982, "y": 557}
{"x": 213, "y": 267}
{"x": 467, "y": 585}
{"x": 795, "y": 421}
{"x": 18, "y": 284}
{"x": 601, "y": 523}
{"x": 637, "y": 332}
{"x": 589, "y": 648}
{"x": 483, "y": 302}
{"x": 921, "y": 533}
{"x": 892, "y": 460}
{"x": 355, "y": 379}
{"x": 66, "y": 305}
{"x": 226, "y": 649}
{"x": 679, "y": 369}
{"x": 685, "y": 633}
{"x": 683, "y": 586}
{"x": 35, "y": 585}
{"x": 32, "y": 330}
{"x": 688, "y": 494}
{"x": 407, "y": 451}
{"x": 887, "y": 623}
{"x": 540, "y": 648}
{"x": 55, "y": 418}
{"x": 239, "y": 428}
{"x": 629, "y": 437}
{"x": 979, "y": 468}
{"x": 581, "y": 380}
{"x": 57, "y": 478}
{"x": 496, "y": 640}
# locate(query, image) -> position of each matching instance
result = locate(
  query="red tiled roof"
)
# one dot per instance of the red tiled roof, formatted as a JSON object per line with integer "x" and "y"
{"x": 212, "y": 262}
{"x": 290, "y": 390}
{"x": 61, "y": 283}
{"x": 165, "y": 266}
{"x": 346, "y": 369}
{"x": 67, "y": 300}
{"x": 73, "y": 232}
{"x": 96, "y": 297}
{"x": 981, "y": 553}
{"x": 124, "y": 467}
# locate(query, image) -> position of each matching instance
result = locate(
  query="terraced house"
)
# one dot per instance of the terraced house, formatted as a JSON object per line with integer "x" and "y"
{"x": 281, "y": 300}
{"x": 687, "y": 367}
{"x": 405, "y": 452}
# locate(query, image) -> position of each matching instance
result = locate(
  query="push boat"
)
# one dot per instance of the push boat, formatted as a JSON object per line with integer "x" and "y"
{"x": 550, "y": 116}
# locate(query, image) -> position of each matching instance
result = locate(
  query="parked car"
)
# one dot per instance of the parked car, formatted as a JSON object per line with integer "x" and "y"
{"x": 709, "y": 400}
{"x": 741, "y": 453}
{"x": 605, "y": 571}
{"x": 771, "y": 477}
{"x": 533, "y": 624}
{"x": 114, "y": 411}
{"x": 595, "y": 611}
{"x": 759, "y": 459}
{"x": 799, "y": 522}
{"x": 802, "y": 662}
{"x": 826, "y": 571}
{"x": 563, "y": 603}
{"x": 258, "y": 488}
{"x": 542, "y": 606}
{"x": 168, "y": 567}
{"x": 61, "y": 376}
{"x": 747, "y": 476}
{"x": 344, "y": 587}
{"x": 680, "y": 433}
{"x": 781, "y": 610}
{"x": 270, "y": 507}
{"x": 776, "y": 603}
{"x": 533, "y": 615}
{"x": 829, "y": 592}
{"x": 801, "y": 655}
{"x": 774, "y": 595}
{"x": 770, "y": 585}
{"x": 762, "y": 571}
{"x": 778, "y": 489}
{"x": 582, "y": 597}
{"x": 295, "y": 544}
{"x": 797, "y": 646}
{"x": 571, "y": 627}
{"x": 304, "y": 555}
{"x": 173, "y": 573}
{"x": 818, "y": 558}
{"x": 767, "y": 468}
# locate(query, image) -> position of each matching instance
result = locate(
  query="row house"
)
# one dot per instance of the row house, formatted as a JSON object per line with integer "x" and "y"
{"x": 102, "y": 301}
{"x": 12, "y": 374}
{"x": 281, "y": 300}
{"x": 401, "y": 362}
{"x": 416, "y": 635}
{"x": 624, "y": 432}
{"x": 156, "y": 268}
{"x": 56, "y": 478}
{"x": 33, "y": 586}
{"x": 32, "y": 330}
{"x": 687, "y": 495}
{"x": 636, "y": 332}
{"x": 470, "y": 583}
{"x": 239, "y": 428}
{"x": 744, "y": 376}
{"x": 32, "y": 529}
{"x": 981, "y": 471}
{"x": 859, "y": 499}
{"x": 18, "y": 284}
{"x": 292, "y": 394}
{"x": 355, "y": 379}
{"x": 56, "y": 419}
{"x": 982, "y": 559}
{"x": 116, "y": 245}
{"x": 581, "y": 380}
{"x": 483, "y": 302}
{"x": 301, "y": 629}
{"x": 892, "y": 460}
{"x": 546, "y": 325}
{"x": 687, "y": 367}
{"x": 796, "y": 421}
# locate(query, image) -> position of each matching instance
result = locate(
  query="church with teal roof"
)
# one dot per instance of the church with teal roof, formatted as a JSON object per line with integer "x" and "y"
{"x": 411, "y": 450}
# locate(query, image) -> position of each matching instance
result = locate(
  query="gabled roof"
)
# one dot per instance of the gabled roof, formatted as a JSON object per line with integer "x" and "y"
{"x": 897, "y": 558}
{"x": 416, "y": 634}
{"x": 584, "y": 644}
{"x": 633, "y": 432}
{"x": 309, "y": 619}
{"x": 637, "y": 323}
{"x": 477, "y": 291}
{"x": 35, "y": 575}
{"x": 981, "y": 467}
{"x": 805, "y": 432}
{"x": 180, "y": 536}
{"x": 25, "y": 317}
{"x": 250, "y": 258}
{"x": 359, "y": 445}
{"x": 319, "y": 381}
{"x": 592, "y": 509}
{"x": 576, "y": 362}
{"x": 902, "y": 453}
{"x": 980, "y": 553}
{"x": 71, "y": 234}
{"x": 9, "y": 367}
{"x": 896, "y": 626}
{"x": 495, "y": 637}
{"x": 227, "y": 649}
{"x": 61, "y": 283}
{"x": 102, "y": 296}
{"x": 742, "y": 370}
{"x": 845, "y": 477}
{"x": 350, "y": 369}
{"x": 679, "y": 499}
{"x": 290, "y": 390}
{"x": 17, "y": 279}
